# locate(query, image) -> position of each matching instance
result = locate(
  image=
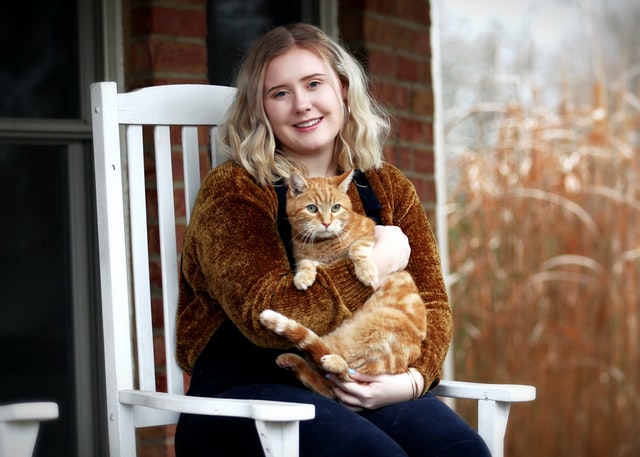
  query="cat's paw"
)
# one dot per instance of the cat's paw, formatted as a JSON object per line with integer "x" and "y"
{"x": 333, "y": 363}
{"x": 273, "y": 320}
{"x": 289, "y": 361}
{"x": 306, "y": 272}
{"x": 367, "y": 273}
{"x": 304, "y": 279}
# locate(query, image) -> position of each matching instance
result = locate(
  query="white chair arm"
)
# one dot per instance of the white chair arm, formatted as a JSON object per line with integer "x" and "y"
{"x": 254, "y": 409}
{"x": 494, "y": 402}
{"x": 276, "y": 422}
{"x": 475, "y": 391}
{"x": 18, "y": 412}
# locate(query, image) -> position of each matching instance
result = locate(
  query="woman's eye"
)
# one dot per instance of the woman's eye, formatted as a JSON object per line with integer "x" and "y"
{"x": 335, "y": 208}
{"x": 312, "y": 208}
{"x": 280, "y": 93}
{"x": 313, "y": 84}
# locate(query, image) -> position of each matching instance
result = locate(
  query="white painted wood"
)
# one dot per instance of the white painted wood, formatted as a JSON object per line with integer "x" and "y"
{"x": 279, "y": 439}
{"x": 494, "y": 402}
{"x": 479, "y": 391}
{"x": 112, "y": 249}
{"x": 19, "y": 426}
{"x": 492, "y": 424}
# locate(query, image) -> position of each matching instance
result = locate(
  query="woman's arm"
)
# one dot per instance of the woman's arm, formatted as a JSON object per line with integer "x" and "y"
{"x": 401, "y": 206}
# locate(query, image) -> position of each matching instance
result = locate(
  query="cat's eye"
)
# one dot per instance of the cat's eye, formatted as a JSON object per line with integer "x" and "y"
{"x": 335, "y": 208}
{"x": 312, "y": 208}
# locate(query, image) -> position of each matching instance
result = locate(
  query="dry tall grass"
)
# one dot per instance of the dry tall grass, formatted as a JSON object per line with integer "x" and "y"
{"x": 545, "y": 260}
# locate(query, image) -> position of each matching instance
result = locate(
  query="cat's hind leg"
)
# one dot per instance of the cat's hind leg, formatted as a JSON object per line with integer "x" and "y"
{"x": 333, "y": 363}
{"x": 306, "y": 373}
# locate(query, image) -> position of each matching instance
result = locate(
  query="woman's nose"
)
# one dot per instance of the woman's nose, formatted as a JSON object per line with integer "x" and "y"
{"x": 303, "y": 103}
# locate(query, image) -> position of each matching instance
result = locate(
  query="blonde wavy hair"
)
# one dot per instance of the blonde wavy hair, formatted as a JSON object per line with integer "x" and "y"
{"x": 247, "y": 138}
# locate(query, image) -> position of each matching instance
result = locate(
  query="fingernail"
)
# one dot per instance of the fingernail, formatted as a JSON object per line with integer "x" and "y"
{"x": 352, "y": 371}
{"x": 328, "y": 376}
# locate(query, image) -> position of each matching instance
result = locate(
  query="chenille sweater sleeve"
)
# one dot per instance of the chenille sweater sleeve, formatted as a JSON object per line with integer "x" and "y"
{"x": 401, "y": 206}
{"x": 234, "y": 265}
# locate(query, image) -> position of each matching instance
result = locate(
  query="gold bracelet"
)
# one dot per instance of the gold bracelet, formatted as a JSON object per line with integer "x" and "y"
{"x": 415, "y": 385}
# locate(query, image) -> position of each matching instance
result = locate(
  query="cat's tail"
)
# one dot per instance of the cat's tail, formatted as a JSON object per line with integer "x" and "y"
{"x": 302, "y": 337}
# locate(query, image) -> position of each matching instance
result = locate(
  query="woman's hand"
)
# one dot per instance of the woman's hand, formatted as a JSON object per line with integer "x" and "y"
{"x": 391, "y": 251}
{"x": 372, "y": 392}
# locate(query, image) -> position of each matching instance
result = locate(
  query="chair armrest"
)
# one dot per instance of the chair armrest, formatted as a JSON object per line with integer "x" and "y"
{"x": 494, "y": 402}
{"x": 477, "y": 391}
{"x": 254, "y": 409}
{"x": 18, "y": 412}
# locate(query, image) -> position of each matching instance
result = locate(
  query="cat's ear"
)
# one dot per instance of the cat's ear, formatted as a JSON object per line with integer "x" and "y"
{"x": 297, "y": 184}
{"x": 344, "y": 180}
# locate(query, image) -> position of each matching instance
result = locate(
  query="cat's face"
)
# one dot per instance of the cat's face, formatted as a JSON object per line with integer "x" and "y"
{"x": 319, "y": 208}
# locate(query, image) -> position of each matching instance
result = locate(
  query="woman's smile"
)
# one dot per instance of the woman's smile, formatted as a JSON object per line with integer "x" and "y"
{"x": 308, "y": 124}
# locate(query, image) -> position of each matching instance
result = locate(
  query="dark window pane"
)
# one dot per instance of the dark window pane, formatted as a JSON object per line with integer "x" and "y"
{"x": 234, "y": 25}
{"x": 39, "y": 49}
{"x": 36, "y": 332}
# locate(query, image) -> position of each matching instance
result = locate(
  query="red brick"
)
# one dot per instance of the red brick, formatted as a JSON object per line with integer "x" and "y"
{"x": 422, "y": 101}
{"x": 158, "y": 349}
{"x": 425, "y": 72}
{"x": 379, "y": 31}
{"x": 405, "y": 157}
{"x": 139, "y": 58}
{"x": 155, "y": 272}
{"x": 408, "y": 68}
{"x": 424, "y": 162}
{"x": 180, "y": 57}
{"x": 414, "y": 10}
{"x": 157, "y": 316}
{"x": 169, "y": 21}
{"x": 411, "y": 130}
{"x": 428, "y": 132}
{"x": 382, "y": 63}
{"x": 413, "y": 40}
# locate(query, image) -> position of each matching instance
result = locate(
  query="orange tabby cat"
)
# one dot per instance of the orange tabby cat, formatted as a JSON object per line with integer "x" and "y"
{"x": 385, "y": 334}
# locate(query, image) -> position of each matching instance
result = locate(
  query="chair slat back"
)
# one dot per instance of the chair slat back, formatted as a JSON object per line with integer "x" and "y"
{"x": 124, "y": 181}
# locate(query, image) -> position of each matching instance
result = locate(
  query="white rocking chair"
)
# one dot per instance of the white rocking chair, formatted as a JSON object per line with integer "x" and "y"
{"x": 125, "y": 279}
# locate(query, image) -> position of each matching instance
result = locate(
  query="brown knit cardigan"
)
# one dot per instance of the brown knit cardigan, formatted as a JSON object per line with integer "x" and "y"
{"x": 234, "y": 265}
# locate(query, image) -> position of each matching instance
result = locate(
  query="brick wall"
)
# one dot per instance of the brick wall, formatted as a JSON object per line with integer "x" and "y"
{"x": 392, "y": 39}
{"x": 166, "y": 44}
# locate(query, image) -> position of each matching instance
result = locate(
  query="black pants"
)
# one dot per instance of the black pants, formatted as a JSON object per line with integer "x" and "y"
{"x": 232, "y": 367}
{"x": 423, "y": 427}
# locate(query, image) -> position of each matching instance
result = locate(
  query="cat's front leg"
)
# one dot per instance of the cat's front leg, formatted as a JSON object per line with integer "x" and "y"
{"x": 306, "y": 271}
{"x": 360, "y": 254}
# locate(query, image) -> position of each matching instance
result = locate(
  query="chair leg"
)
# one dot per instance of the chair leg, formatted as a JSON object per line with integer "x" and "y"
{"x": 279, "y": 439}
{"x": 492, "y": 424}
{"x": 18, "y": 438}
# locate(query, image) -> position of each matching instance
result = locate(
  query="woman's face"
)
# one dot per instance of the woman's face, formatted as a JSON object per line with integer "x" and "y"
{"x": 303, "y": 100}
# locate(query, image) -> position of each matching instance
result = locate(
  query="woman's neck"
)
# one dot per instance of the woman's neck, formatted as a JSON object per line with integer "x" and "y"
{"x": 320, "y": 166}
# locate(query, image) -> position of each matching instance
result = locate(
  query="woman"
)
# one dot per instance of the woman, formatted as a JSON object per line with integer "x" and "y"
{"x": 302, "y": 104}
